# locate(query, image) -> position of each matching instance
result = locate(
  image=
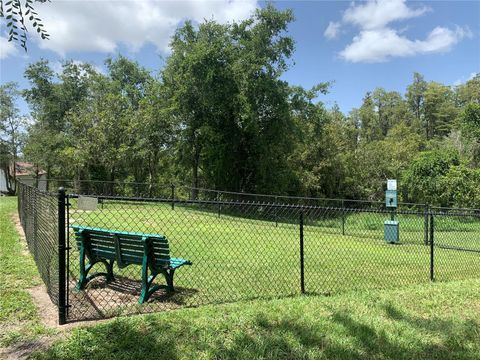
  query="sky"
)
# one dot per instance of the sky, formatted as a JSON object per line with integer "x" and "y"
{"x": 357, "y": 46}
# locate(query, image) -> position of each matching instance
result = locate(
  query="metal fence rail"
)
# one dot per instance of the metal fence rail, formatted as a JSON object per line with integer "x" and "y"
{"x": 243, "y": 246}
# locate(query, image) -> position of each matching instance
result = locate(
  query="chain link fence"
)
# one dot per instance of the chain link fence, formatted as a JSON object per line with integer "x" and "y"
{"x": 244, "y": 246}
{"x": 38, "y": 213}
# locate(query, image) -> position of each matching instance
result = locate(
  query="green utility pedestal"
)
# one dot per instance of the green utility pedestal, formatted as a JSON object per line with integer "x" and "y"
{"x": 392, "y": 235}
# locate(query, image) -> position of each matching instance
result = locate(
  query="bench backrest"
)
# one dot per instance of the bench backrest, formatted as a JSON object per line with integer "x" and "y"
{"x": 124, "y": 247}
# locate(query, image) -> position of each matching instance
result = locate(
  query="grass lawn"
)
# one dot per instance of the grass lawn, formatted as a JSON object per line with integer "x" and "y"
{"x": 19, "y": 320}
{"x": 435, "y": 321}
{"x": 238, "y": 258}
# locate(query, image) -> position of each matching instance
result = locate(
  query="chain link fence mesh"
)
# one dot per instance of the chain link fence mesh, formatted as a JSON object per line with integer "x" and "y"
{"x": 249, "y": 246}
{"x": 38, "y": 213}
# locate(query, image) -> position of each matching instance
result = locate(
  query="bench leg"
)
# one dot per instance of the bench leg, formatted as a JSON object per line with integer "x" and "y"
{"x": 169, "y": 279}
{"x": 147, "y": 288}
{"x": 85, "y": 269}
{"x": 83, "y": 280}
{"x": 109, "y": 267}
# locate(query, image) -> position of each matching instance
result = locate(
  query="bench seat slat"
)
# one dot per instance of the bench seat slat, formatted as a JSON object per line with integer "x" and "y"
{"x": 119, "y": 233}
{"x": 137, "y": 260}
{"x": 130, "y": 240}
{"x": 124, "y": 249}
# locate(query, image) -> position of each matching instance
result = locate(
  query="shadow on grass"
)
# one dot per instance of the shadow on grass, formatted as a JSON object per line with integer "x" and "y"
{"x": 442, "y": 339}
{"x": 265, "y": 335}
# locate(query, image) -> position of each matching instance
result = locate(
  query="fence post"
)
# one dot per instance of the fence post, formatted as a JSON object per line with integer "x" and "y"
{"x": 219, "y": 207}
{"x": 432, "y": 226}
{"x": 426, "y": 224}
{"x": 173, "y": 196}
{"x": 302, "y": 260}
{"x": 343, "y": 217}
{"x": 61, "y": 258}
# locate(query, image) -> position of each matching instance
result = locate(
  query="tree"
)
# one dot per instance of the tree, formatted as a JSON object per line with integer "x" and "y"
{"x": 390, "y": 109}
{"x": 416, "y": 95}
{"x": 422, "y": 180}
{"x": 222, "y": 82}
{"x": 11, "y": 131}
{"x": 369, "y": 129}
{"x": 460, "y": 187}
{"x": 439, "y": 110}
{"x": 470, "y": 118}
{"x": 469, "y": 92}
{"x": 51, "y": 98}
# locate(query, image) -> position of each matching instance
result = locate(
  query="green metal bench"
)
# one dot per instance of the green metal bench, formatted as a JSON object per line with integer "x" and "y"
{"x": 126, "y": 248}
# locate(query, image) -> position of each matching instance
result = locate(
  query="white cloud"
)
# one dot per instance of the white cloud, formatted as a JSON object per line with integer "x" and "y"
{"x": 7, "y": 48}
{"x": 78, "y": 25}
{"x": 382, "y": 44}
{"x": 57, "y": 66}
{"x": 378, "y": 41}
{"x": 379, "y": 13}
{"x": 332, "y": 30}
{"x": 464, "y": 79}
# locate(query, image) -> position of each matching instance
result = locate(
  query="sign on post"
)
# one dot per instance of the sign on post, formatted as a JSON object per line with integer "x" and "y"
{"x": 392, "y": 184}
{"x": 391, "y": 193}
{"x": 87, "y": 203}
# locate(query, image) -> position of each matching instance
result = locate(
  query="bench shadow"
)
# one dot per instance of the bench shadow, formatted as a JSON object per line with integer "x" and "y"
{"x": 102, "y": 300}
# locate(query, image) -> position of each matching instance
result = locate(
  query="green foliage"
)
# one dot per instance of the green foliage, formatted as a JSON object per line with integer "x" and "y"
{"x": 422, "y": 180}
{"x": 470, "y": 117}
{"x": 440, "y": 110}
{"x": 17, "y": 15}
{"x": 224, "y": 88}
{"x": 11, "y": 134}
{"x": 461, "y": 187}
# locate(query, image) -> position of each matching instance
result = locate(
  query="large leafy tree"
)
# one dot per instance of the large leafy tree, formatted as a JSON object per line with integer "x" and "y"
{"x": 416, "y": 96}
{"x": 440, "y": 110}
{"x": 11, "y": 133}
{"x": 223, "y": 83}
{"x": 51, "y": 98}
{"x": 422, "y": 180}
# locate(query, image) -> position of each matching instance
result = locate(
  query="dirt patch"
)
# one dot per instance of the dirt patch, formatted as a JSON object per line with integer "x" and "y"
{"x": 47, "y": 311}
{"x": 101, "y": 299}
{"x": 26, "y": 349}
{"x": 21, "y": 233}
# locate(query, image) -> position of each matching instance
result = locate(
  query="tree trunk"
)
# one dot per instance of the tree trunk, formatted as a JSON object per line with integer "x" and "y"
{"x": 196, "y": 164}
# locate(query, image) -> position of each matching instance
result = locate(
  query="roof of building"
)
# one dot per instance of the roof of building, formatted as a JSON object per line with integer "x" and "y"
{"x": 26, "y": 168}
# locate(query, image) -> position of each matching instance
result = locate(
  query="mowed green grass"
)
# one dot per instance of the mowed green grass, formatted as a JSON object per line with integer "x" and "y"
{"x": 432, "y": 321}
{"x": 19, "y": 320}
{"x": 243, "y": 258}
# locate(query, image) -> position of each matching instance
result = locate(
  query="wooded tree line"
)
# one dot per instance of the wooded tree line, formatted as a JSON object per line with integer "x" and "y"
{"x": 218, "y": 115}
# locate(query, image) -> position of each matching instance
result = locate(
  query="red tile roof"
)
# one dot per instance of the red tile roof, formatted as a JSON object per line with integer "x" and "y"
{"x": 25, "y": 168}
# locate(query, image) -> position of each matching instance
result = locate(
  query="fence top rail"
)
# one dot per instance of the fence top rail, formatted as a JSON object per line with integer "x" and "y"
{"x": 239, "y": 194}
{"x": 299, "y": 207}
{"x": 454, "y": 209}
{"x": 34, "y": 188}
{"x": 274, "y": 199}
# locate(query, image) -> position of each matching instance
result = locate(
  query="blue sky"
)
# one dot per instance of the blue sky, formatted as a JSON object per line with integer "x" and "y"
{"x": 358, "y": 45}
